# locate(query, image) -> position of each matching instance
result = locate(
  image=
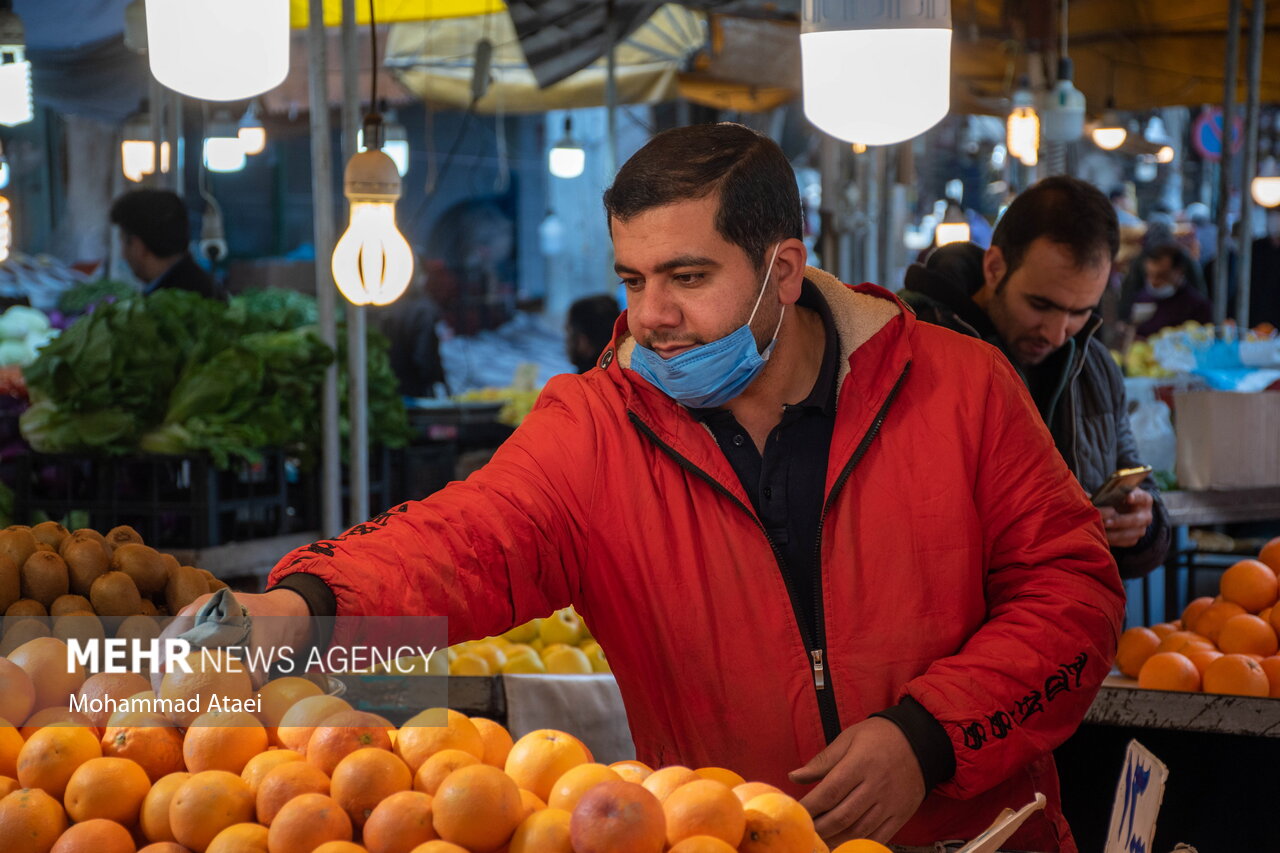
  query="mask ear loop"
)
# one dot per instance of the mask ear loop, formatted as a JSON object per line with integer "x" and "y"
{"x": 763, "y": 286}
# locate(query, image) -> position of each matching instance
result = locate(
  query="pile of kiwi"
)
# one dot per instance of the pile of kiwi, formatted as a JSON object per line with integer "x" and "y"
{"x": 60, "y": 583}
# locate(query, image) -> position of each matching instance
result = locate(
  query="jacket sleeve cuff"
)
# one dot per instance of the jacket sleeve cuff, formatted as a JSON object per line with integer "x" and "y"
{"x": 321, "y": 602}
{"x": 928, "y": 740}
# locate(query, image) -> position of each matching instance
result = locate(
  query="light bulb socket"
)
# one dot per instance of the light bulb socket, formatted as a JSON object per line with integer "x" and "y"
{"x": 375, "y": 132}
{"x": 12, "y": 34}
{"x": 1066, "y": 68}
{"x": 371, "y": 176}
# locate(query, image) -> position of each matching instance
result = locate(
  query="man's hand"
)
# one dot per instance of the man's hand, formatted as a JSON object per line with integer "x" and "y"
{"x": 869, "y": 783}
{"x": 1128, "y": 524}
{"x": 280, "y": 619}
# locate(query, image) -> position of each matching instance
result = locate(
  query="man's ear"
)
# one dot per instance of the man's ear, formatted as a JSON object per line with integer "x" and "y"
{"x": 788, "y": 269}
{"x": 994, "y": 268}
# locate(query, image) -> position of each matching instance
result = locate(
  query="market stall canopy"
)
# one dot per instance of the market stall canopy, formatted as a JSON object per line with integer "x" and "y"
{"x": 434, "y": 60}
{"x": 394, "y": 11}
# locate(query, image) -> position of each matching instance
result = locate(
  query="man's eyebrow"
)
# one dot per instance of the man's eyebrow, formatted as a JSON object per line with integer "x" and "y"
{"x": 674, "y": 263}
{"x": 1056, "y": 307}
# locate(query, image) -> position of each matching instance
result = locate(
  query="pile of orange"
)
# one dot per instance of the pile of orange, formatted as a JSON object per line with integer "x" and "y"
{"x": 316, "y": 776}
{"x": 1224, "y": 644}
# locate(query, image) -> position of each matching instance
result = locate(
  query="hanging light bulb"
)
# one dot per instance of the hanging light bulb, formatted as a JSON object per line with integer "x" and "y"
{"x": 224, "y": 51}
{"x": 395, "y": 143}
{"x": 1165, "y": 154}
{"x": 1265, "y": 188}
{"x": 223, "y": 150}
{"x": 845, "y": 49}
{"x": 566, "y": 158}
{"x": 372, "y": 262}
{"x": 6, "y": 229}
{"x": 15, "y": 71}
{"x": 4, "y": 169}
{"x": 1110, "y": 133}
{"x": 1063, "y": 119}
{"x": 138, "y": 149}
{"x": 253, "y": 136}
{"x": 1022, "y": 131}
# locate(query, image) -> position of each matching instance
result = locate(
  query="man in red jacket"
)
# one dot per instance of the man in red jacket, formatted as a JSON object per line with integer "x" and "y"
{"x": 821, "y": 543}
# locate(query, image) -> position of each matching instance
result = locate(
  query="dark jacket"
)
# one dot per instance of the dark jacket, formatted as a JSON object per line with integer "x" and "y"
{"x": 1087, "y": 414}
{"x": 186, "y": 274}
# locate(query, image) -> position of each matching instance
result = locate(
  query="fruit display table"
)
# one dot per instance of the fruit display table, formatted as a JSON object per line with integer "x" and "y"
{"x": 1122, "y": 703}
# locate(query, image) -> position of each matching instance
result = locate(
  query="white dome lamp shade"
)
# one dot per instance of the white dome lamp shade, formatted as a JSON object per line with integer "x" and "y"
{"x": 15, "y": 71}
{"x": 875, "y": 73}
{"x": 567, "y": 159}
{"x": 228, "y": 50}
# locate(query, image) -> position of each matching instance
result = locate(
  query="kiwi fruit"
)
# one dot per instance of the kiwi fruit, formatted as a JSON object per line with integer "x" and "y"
{"x": 212, "y": 582}
{"x": 25, "y": 608}
{"x": 122, "y": 535}
{"x": 115, "y": 596}
{"x": 82, "y": 625}
{"x": 44, "y": 577}
{"x": 17, "y": 544}
{"x": 65, "y": 604}
{"x": 149, "y": 607}
{"x": 138, "y": 627}
{"x": 143, "y": 564}
{"x": 10, "y": 582}
{"x": 44, "y": 546}
{"x": 22, "y": 631}
{"x": 185, "y": 585}
{"x": 93, "y": 534}
{"x": 86, "y": 559}
{"x": 50, "y": 533}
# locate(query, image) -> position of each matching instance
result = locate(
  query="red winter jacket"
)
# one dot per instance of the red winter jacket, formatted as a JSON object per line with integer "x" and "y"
{"x": 961, "y": 565}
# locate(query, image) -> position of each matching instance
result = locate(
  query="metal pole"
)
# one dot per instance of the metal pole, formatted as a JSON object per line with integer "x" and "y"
{"x": 885, "y": 157}
{"x": 173, "y": 131}
{"x": 156, "y": 115}
{"x": 611, "y": 90}
{"x": 322, "y": 204}
{"x": 1224, "y": 175}
{"x": 1257, "y": 28}
{"x": 829, "y": 175}
{"x": 357, "y": 375}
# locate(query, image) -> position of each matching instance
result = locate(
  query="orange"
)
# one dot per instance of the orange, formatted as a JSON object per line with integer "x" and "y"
{"x": 223, "y": 740}
{"x": 298, "y": 723}
{"x": 723, "y": 775}
{"x": 1274, "y": 619}
{"x": 263, "y": 763}
{"x": 618, "y": 817}
{"x": 240, "y": 838}
{"x": 207, "y": 803}
{"x": 1193, "y": 611}
{"x": 1215, "y": 616}
{"x": 17, "y": 693}
{"x": 344, "y": 733}
{"x": 784, "y": 808}
{"x": 768, "y": 834}
{"x": 45, "y": 660}
{"x": 8, "y": 785}
{"x": 109, "y": 686}
{"x": 10, "y": 745}
{"x": 702, "y": 844}
{"x": 1236, "y": 675}
{"x": 30, "y": 821}
{"x": 365, "y": 778}
{"x": 52, "y": 754}
{"x": 1202, "y": 658}
{"x": 632, "y": 771}
{"x": 1251, "y": 584}
{"x": 438, "y": 766}
{"x": 1169, "y": 671}
{"x": 213, "y": 673}
{"x": 283, "y": 783}
{"x": 541, "y": 757}
{"x": 751, "y": 790}
{"x": 438, "y": 846}
{"x": 477, "y": 807}
{"x": 1271, "y": 666}
{"x": 1248, "y": 634}
{"x": 111, "y": 788}
{"x": 154, "y": 817}
{"x": 339, "y": 847}
{"x": 95, "y": 836}
{"x": 46, "y": 717}
{"x": 1270, "y": 555}
{"x": 1164, "y": 629}
{"x": 861, "y": 845}
{"x": 545, "y": 831}
{"x": 163, "y": 847}
{"x": 705, "y": 807}
{"x": 664, "y": 780}
{"x": 281, "y": 694}
{"x": 436, "y": 729}
{"x": 1135, "y": 646}
{"x": 1265, "y": 614}
{"x": 576, "y": 781}
{"x": 156, "y": 748}
{"x": 306, "y": 822}
{"x": 399, "y": 823}
{"x": 530, "y": 801}
{"x": 1180, "y": 641}
{"x": 497, "y": 741}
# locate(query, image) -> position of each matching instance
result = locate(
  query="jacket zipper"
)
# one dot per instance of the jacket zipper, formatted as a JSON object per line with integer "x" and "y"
{"x": 821, "y": 682}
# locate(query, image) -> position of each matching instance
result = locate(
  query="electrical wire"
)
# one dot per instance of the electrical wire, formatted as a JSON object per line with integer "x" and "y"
{"x": 373, "y": 60}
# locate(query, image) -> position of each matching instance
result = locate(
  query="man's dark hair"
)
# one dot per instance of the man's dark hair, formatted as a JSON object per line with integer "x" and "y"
{"x": 1066, "y": 211}
{"x": 1181, "y": 260}
{"x": 593, "y": 317}
{"x": 156, "y": 217}
{"x": 759, "y": 200}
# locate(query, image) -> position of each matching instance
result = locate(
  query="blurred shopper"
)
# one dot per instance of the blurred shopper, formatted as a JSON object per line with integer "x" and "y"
{"x": 410, "y": 326}
{"x": 1034, "y": 294}
{"x": 154, "y": 236}
{"x": 1264, "y": 282}
{"x": 1171, "y": 292}
{"x": 588, "y": 329}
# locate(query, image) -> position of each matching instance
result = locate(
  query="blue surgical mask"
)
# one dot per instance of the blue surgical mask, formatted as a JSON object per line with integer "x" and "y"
{"x": 712, "y": 374}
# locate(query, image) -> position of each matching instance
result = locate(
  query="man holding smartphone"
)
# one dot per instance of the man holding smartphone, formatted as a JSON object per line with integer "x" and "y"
{"x": 1034, "y": 294}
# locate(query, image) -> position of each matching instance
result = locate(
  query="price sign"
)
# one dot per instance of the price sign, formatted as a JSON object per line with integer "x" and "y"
{"x": 1137, "y": 803}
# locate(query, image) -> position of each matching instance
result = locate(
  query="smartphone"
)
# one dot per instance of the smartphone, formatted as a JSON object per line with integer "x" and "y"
{"x": 1118, "y": 486}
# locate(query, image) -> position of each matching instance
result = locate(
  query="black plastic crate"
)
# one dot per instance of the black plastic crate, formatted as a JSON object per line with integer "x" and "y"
{"x": 172, "y": 501}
